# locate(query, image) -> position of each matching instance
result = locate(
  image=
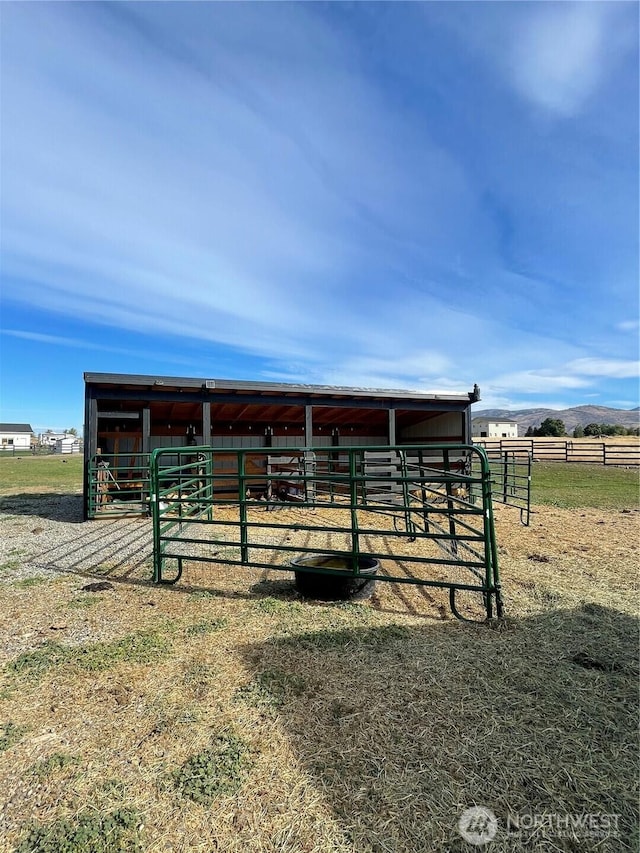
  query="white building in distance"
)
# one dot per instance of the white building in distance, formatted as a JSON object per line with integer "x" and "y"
{"x": 15, "y": 436}
{"x": 50, "y": 438}
{"x": 487, "y": 428}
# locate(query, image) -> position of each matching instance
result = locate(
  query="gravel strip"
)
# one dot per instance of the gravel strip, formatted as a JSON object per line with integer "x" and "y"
{"x": 40, "y": 536}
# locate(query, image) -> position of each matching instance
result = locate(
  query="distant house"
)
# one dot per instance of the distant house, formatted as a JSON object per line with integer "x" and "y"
{"x": 50, "y": 438}
{"x": 486, "y": 428}
{"x": 15, "y": 436}
{"x": 68, "y": 444}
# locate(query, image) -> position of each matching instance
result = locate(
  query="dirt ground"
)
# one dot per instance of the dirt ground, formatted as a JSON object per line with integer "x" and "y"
{"x": 367, "y": 727}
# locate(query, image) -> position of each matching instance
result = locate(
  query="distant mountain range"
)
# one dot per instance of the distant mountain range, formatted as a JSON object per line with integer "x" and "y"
{"x": 582, "y": 415}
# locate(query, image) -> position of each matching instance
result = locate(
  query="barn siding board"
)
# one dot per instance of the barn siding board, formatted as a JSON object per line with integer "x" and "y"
{"x": 443, "y": 427}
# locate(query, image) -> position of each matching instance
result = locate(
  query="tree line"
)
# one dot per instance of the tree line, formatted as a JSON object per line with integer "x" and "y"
{"x": 555, "y": 427}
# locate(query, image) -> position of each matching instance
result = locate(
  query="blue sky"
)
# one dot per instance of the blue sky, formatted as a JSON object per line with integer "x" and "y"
{"x": 422, "y": 195}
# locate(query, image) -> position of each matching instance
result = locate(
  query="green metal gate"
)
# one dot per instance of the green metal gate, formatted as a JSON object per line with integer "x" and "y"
{"x": 511, "y": 480}
{"x": 118, "y": 484}
{"x": 424, "y": 512}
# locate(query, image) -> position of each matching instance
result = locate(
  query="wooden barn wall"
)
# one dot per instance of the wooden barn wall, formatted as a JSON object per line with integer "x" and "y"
{"x": 449, "y": 426}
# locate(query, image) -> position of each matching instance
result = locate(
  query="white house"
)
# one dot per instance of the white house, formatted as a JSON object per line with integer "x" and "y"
{"x": 486, "y": 428}
{"x": 15, "y": 436}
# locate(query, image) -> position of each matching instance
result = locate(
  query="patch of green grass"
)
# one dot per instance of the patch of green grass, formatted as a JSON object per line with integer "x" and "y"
{"x": 63, "y": 474}
{"x": 218, "y": 771}
{"x": 84, "y": 601}
{"x": 376, "y": 639}
{"x": 582, "y": 485}
{"x": 271, "y": 689}
{"x": 57, "y": 761}
{"x": 201, "y": 594}
{"x": 27, "y": 583}
{"x": 199, "y": 678}
{"x": 10, "y": 734}
{"x": 142, "y": 647}
{"x": 546, "y": 596}
{"x": 113, "y": 786}
{"x": 87, "y": 832}
{"x": 208, "y": 626}
{"x": 35, "y": 663}
{"x": 276, "y": 606}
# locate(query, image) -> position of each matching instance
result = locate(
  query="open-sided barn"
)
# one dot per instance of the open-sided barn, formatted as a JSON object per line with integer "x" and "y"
{"x": 128, "y": 416}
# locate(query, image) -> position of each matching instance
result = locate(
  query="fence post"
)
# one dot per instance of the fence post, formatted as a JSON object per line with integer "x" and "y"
{"x": 505, "y": 474}
{"x": 353, "y": 497}
{"x": 242, "y": 495}
{"x": 604, "y": 453}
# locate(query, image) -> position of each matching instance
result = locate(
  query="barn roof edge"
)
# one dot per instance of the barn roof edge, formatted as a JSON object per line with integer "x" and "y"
{"x": 287, "y": 387}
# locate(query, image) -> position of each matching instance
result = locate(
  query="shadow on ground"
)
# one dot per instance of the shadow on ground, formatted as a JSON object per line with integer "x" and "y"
{"x": 55, "y": 507}
{"x": 403, "y": 728}
{"x": 121, "y": 549}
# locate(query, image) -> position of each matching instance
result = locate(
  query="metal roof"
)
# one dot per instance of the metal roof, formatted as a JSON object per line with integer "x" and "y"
{"x": 232, "y": 385}
{"x": 15, "y": 428}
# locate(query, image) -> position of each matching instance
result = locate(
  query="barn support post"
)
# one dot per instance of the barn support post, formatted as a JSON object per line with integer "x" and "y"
{"x": 90, "y": 447}
{"x": 146, "y": 429}
{"x": 308, "y": 426}
{"x": 392, "y": 427}
{"x": 91, "y": 442}
{"x": 206, "y": 424}
{"x": 466, "y": 426}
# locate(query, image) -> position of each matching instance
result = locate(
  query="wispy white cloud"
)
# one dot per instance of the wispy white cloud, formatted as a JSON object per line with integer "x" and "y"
{"x": 628, "y": 326}
{"x": 41, "y": 338}
{"x": 613, "y": 368}
{"x": 213, "y": 246}
{"x": 558, "y": 53}
{"x": 79, "y": 343}
{"x": 536, "y": 382}
{"x": 556, "y": 56}
{"x": 247, "y": 180}
{"x": 503, "y": 390}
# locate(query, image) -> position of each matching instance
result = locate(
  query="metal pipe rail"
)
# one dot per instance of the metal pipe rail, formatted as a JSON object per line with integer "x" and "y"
{"x": 426, "y": 514}
{"x": 511, "y": 480}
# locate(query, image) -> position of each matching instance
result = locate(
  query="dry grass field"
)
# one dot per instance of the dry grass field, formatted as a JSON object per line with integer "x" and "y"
{"x": 227, "y": 714}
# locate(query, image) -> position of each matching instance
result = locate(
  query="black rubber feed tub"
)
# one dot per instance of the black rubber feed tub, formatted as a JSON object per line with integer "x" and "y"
{"x": 335, "y": 587}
